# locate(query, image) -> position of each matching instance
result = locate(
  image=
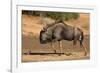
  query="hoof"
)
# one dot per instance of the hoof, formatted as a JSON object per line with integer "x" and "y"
{"x": 59, "y": 54}
{"x": 68, "y": 54}
{"x": 85, "y": 54}
{"x": 54, "y": 51}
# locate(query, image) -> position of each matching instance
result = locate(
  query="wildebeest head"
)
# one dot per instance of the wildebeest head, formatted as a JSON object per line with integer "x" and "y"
{"x": 45, "y": 36}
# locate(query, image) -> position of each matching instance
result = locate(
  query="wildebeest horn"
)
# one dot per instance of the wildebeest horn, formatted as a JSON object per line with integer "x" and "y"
{"x": 44, "y": 29}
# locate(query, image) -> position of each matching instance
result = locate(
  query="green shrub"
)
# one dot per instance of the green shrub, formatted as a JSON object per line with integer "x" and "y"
{"x": 54, "y": 15}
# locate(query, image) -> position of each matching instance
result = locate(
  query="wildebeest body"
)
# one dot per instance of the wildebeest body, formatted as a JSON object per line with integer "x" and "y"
{"x": 61, "y": 31}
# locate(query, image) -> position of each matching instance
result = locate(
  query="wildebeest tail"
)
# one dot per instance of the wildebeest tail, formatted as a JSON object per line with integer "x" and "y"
{"x": 81, "y": 39}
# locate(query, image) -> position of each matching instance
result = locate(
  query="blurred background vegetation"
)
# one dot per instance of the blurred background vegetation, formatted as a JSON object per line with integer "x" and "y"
{"x": 57, "y": 16}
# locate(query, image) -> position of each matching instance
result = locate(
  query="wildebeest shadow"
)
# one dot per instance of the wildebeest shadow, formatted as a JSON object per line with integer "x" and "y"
{"x": 44, "y": 53}
{"x": 41, "y": 53}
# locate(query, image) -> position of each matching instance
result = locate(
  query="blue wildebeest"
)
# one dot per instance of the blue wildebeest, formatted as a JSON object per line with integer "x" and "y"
{"x": 62, "y": 31}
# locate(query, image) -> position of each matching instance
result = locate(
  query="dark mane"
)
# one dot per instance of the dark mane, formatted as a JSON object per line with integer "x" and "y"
{"x": 46, "y": 27}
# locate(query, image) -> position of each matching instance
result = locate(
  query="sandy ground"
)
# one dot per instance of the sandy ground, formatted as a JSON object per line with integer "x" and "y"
{"x": 38, "y": 52}
{"x": 53, "y": 57}
{"x": 33, "y": 51}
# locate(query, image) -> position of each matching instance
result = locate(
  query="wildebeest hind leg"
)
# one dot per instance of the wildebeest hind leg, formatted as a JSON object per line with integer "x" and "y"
{"x": 74, "y": 43}
{"x": 84, "y": 49}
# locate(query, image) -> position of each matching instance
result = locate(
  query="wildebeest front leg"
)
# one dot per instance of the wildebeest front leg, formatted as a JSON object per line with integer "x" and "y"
{"x": 60, "y": 46}
{"x": 52, "y": 45}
